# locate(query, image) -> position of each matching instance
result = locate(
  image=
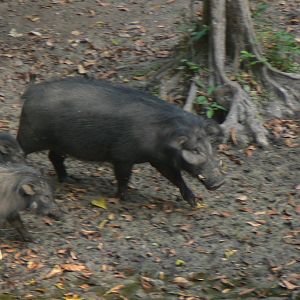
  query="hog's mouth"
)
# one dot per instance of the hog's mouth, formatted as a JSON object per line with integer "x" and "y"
{"x": 210, "y": 185}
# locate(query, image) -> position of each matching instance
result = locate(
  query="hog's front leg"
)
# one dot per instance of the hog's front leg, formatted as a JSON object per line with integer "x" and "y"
{"x": 175, "y": 177}
{"x": 17, "y": 223}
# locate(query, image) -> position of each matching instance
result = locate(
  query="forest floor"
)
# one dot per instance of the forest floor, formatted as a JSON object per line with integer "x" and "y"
{"x": 243, "y": 240}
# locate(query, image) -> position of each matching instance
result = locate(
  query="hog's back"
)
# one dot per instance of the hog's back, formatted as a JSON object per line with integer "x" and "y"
{"x": 91, "y": 120}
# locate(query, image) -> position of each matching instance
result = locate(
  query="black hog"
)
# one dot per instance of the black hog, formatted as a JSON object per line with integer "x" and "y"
{"x": 94, "y": 120}
{"x": 22, "y": 187}
{"x": 10, "y": 150}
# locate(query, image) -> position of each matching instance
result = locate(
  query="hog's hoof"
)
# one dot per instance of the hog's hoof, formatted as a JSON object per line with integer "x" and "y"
{"x": 122, "y": 196}
{"x": 192, "y": 202}
{"x": 57, "y": 216}
{"x": 69, "y": 179}
{"x": 27, "y": 238}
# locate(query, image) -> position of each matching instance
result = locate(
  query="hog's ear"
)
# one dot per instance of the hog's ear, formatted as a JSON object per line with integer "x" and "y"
{"x": 27, "y": 189}
{"x": 3, "y": 149}
{"x": 193, "y": 158}
{"x": 178, "y": 142}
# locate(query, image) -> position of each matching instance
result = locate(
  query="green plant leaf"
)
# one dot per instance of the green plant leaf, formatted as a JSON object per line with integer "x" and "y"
{"x": 199, "y": 83}
{"x": 247, "y": 88}
{"x": 210, "y": 90}
{"x": 198, "y": 35}
{"x": 180, "y": 262}
{"x": 210, "y": 113}
{"x": 202, "y": 100}
{"x": 217, "y": 106}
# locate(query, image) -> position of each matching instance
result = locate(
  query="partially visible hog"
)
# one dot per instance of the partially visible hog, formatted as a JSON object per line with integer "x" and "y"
{"x": 22, "y": 187}
{"x": 94, "y": 120}
{"x": 10, "y": 150}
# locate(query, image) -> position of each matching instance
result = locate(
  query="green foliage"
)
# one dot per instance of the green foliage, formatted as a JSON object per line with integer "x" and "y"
{"x": 281, "y": 50}
{"x": 197, "y": 35}
{"x": 249, "y": 59}
{"x": 211, "y": 107}
{"x": 191, "y": 66}
{"x": 260, "y": 10}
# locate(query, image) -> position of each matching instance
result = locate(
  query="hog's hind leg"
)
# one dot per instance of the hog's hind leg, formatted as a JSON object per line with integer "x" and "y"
{"x": 122, "y": 174}
{"x": 57, "y": 161}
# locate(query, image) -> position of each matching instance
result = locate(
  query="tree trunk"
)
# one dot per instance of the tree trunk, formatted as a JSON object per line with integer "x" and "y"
{"x": 230, "y": 31}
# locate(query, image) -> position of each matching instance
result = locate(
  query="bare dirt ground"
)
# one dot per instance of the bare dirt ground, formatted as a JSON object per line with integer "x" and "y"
{"x": 242, "y": 243}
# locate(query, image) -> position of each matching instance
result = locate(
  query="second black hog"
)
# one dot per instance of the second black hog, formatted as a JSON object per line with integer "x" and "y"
{"x": 22, "y": 187}
{"x": 94, "y": 120}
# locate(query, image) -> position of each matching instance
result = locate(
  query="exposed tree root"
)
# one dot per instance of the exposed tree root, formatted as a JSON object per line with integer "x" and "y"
{"x": 188, "y": 106}
{"x": 230, "y": 31}
{"x": 242, "y": 118}
{"x": 232, "y": 19}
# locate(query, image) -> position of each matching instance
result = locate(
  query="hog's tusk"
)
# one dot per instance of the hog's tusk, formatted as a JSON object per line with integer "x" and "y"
{"x": 201, "y": 177}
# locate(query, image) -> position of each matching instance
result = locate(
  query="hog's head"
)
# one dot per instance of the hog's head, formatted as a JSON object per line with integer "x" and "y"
{"x": 197, "y": 158}
{"x": 38, "y": 197}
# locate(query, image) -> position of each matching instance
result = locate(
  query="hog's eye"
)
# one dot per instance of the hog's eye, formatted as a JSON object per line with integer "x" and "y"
{"x": 195, "y": 151}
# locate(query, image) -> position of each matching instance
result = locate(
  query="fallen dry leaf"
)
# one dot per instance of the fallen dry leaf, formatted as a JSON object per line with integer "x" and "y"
{"x": 246, "y": 291}
{"x": 57, "y": 270}
{"x": 33, "y": 265}
{"x": 122, "y": 8}
{"x": 289, "y": 285}
{"x": 88, "y": 232}
{"x": 186, "y": 227}
{"x": 73, "y": 268}
{"x": 81, "y": 69}
{"x": 84, "y": 286}
{"x": 242, "y": 198}
{"x": 100, "y": 203}
{"x": 233, "y": 135}
{"x": 33, "y": 18}
{"x": 104, "y": 4}
{"x": 59, "y": 285}
{"x": 290, "y": 143}
{"x": 249, "y": 151}
{"x": 225, "y": 214}
{"x": 127, "y": 217}
{"x": 115, "y": 290}
{"x": 13, "y": 32}
{"x": 147, "y": 283}
{"x": 72, "y": 297}
{"x": 229, "y": 253}
{"x": 181, "y": 282}
{"x": 76, "y": 32}
{"x": 102, "y": 224}
{"x": 254, "y": 224}
{"x": 35, "y": 33}
{"x": 200, "y": 205}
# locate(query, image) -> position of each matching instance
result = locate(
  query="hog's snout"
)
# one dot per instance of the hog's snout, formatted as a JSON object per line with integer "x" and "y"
{"x": 213, "y": 181}
{"x": 214, "y": 186}
{"x": 56, "y": 215}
